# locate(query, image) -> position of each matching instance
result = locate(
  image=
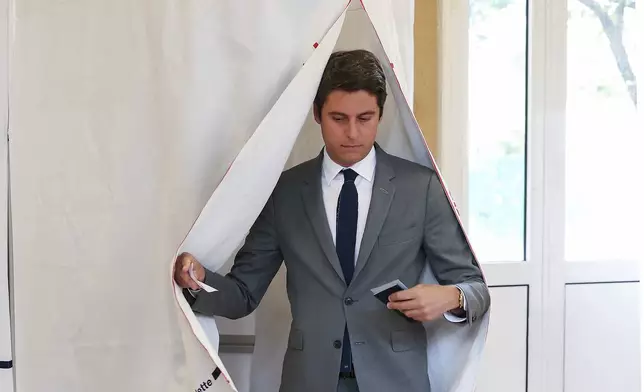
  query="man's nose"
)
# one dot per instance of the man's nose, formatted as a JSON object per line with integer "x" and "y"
{"x": 352, "y": 129}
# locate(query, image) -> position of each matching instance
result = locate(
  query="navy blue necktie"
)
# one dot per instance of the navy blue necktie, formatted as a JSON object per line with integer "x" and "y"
{"x": 345, "y": 244}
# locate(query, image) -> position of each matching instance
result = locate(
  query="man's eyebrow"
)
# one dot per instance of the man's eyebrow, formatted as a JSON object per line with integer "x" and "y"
{"x": 367, "y": 113}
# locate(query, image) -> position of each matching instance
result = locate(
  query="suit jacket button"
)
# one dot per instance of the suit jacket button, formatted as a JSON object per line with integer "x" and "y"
{"x": 337, "y": 344}
{"x": 348, "y": 301}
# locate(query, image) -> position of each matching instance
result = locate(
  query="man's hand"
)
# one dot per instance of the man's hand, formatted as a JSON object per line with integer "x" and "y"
{"x": 425, "y": 302}
{"x": 182, "y": 271}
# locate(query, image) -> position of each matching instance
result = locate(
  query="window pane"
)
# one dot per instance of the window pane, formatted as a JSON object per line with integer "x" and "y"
{"x": 601, "y": 187}
{"x": 497, "y": 115}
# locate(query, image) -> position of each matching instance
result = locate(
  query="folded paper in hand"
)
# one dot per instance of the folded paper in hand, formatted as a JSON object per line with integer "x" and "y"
{"x": 201, "y": 284}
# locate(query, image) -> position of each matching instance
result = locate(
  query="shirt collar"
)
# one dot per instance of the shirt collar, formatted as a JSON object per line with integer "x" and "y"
{"x": 365, "y": 168}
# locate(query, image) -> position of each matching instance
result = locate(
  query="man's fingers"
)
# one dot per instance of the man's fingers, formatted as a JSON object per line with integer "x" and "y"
{"x": 404, "y": 305}
{"x": 192, "y": 284}
{"x": 183, "y": 265}
{"x": 186, "y": 259}
{"x": 183, "y": 279}
{"x": 404, "y": 295}
{"x": 187, "y": 282}
{"x": 414, "y": 314}
{"x": 184, "y": 262}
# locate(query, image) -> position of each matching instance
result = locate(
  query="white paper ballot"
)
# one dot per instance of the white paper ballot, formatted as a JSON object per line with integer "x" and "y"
{"x": 201, "y": 284}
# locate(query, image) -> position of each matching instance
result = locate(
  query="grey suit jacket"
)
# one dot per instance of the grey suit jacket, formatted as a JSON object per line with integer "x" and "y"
{"x": 410, "y": 223}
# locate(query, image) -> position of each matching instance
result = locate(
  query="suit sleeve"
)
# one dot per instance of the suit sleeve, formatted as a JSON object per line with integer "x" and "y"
{"x": 257, "y": 262}
{"x": 449, "y": 254}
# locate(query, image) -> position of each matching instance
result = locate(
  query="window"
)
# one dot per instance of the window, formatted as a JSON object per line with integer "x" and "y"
{"x": 497, "y": 128}
{"x": 601, "y": 132}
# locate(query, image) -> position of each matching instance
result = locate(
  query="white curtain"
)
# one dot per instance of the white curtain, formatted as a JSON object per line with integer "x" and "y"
{"x": 127, "y": 118}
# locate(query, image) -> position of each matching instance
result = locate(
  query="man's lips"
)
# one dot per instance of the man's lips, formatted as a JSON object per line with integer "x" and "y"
{"x": 351, "y": 146}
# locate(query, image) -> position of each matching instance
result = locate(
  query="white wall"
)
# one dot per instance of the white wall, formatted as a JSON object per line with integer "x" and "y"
{"x": 602, "y": 351}
{"x": 505, "y": 359}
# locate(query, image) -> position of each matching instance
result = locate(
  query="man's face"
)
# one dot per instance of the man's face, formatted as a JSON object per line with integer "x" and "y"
{"x": 349, "y": 122}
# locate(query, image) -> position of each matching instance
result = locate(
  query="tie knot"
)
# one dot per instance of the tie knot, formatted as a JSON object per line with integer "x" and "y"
{"x": 349, "y": 175}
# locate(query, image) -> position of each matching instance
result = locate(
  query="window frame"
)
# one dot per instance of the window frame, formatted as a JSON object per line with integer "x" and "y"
{"x": 545, "y": 270}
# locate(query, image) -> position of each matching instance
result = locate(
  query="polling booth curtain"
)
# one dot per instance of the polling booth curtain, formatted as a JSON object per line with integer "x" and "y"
{"x": 143, "y": 129}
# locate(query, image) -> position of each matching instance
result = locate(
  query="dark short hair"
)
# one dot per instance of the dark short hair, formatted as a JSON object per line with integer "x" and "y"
{"x": 351, "y": 71}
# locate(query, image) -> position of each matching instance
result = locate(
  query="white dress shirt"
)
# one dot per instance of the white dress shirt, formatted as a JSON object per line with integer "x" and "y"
{"x": 332, "y": 181}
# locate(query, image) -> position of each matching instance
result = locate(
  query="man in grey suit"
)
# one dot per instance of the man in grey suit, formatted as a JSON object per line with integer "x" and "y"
{"x": 352, "y": 219}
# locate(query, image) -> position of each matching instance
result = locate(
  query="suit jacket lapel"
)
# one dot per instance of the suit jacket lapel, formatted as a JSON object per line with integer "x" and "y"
{"x": 314, "y": 206}
{"x": 381, "y": 197}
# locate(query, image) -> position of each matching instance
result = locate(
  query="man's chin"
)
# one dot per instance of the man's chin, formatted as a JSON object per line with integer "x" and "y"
{"x": 352, "y": 157}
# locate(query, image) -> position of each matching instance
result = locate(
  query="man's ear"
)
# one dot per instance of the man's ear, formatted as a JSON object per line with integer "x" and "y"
{"x": 316, "y": 114}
